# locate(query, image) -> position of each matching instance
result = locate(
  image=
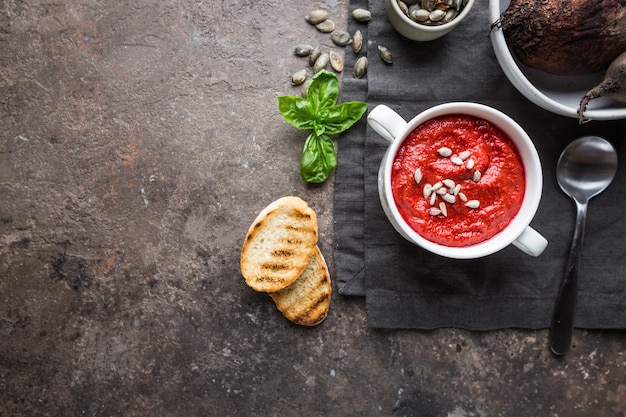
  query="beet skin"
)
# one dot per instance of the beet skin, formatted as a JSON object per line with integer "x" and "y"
{"x": 565, "y": 37}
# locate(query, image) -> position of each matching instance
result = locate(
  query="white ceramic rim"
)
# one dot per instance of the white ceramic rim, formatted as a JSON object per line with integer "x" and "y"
{"x": 533, "y": 176}
{"x": 511, "y": 69}
{"x": 432, "y": 29}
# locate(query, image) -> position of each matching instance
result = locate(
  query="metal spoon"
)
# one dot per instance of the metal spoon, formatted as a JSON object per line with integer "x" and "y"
{"x": 586, "y": 167}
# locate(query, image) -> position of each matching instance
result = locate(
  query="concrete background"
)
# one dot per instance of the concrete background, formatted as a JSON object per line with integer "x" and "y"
{"x": 138, "y": 141}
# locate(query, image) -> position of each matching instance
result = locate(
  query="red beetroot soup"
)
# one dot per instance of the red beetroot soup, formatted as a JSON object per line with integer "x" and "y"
{"x": 471, "y": 180}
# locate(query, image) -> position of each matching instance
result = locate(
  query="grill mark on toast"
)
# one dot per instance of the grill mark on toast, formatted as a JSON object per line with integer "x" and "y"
{"x": 293, "y": 241}
{"x": 275, "y": 266}
{"x": 300, "y": 215}
{"x": 305, "y": 317}
{"x": 282, "y": 253}
{"x": 313, "y": 306}
{"x": 267, "y": 278}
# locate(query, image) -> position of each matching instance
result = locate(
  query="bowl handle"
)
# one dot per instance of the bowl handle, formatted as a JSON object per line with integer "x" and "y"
{"x": 531, "y": 242}
{"x": 386, "y": 122}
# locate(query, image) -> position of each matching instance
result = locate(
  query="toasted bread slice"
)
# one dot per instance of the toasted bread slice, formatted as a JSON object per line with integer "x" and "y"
{"x": 278, "y": 244}
{"x": 307, "y": 300}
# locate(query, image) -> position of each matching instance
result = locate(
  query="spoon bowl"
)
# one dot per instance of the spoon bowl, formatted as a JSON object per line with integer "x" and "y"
{"x": 585, "y": 169}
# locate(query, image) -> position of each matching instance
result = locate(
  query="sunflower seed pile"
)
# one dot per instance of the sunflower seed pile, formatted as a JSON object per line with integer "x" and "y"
{"x": 320, "y": 58}
{"x": 446, "y": 189}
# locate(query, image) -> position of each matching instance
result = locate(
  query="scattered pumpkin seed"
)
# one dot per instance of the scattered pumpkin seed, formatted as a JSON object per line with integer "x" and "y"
{"x": 340, "y": 37}
{"x": 327, "y": 26}
{"x": 336, "y": 61}
{"x": 476, "y": 176}
{"x": 357, "y": 41}
{"x": 362, "y": 15}
{"x": 473, "y": 204}
{"x": 305, "y": 88}
{"x": 469, "y": 164}
{"x": 315, "y": 17}
{"x": 299, "y": 77}
{"x": 303, "y": 50}
{"x": 321, "y": 62}
{"x": 360, "y": 67}
{"x": 315, "y": 53}
{"x": 385, "y": 54}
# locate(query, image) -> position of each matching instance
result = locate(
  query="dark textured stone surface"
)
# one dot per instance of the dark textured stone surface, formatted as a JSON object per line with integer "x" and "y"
{"x": 138, "y": 141}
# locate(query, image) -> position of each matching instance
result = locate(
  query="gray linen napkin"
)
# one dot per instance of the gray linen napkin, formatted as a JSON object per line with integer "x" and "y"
{"x": 407, "y": 287}
{"x": 349, "y": 215}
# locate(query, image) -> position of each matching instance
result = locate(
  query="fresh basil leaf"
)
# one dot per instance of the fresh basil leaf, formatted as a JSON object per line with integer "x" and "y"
{"x": 319, "y": 128}
{"x": 323, "y": 91}
{"x": 297, "y": 111}
{"x": 320, "y": 113}
{"x": 319, "y": 158}
{"x": 339, "y": 118}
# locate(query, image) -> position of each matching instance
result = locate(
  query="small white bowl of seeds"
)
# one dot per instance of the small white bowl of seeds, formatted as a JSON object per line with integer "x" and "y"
{"x": 426, "y": 20}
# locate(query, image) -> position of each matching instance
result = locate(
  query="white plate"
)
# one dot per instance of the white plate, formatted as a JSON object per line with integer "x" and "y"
{"x": 556, "y": 93}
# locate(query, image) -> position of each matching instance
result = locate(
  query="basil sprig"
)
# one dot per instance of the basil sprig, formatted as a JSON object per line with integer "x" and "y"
{"x": 320, "y": 113}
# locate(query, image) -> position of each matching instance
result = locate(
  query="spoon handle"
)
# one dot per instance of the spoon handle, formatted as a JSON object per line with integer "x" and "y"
{"x": 562, "y": 326}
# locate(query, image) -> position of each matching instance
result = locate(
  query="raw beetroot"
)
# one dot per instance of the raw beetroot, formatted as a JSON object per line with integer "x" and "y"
{"x": 613, "y": 86}
{"x": 565, "y": 37}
